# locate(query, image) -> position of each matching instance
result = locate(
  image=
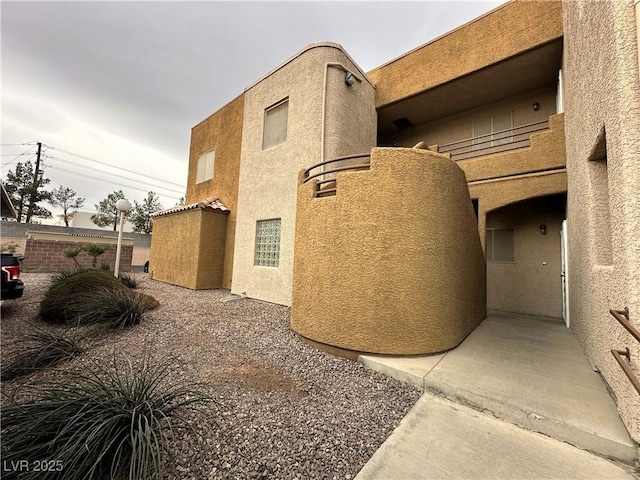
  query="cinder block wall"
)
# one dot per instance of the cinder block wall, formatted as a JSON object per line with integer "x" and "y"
{"x": 48, "y": 256}
{"x": 13, "y": 232}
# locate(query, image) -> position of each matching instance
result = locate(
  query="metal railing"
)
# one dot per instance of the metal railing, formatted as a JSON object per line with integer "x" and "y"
{"x": 622, "y": 316}
{"x": 495, "y": 142}
{"x": 324, "y": 187}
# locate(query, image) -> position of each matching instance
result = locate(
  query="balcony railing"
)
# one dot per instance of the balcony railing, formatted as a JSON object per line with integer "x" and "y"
{"x": 328, "y": 170}
{"x": 492, "y": 143}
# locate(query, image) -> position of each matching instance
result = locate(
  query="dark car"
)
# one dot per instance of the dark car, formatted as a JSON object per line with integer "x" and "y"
{"x": 12, "y": 286}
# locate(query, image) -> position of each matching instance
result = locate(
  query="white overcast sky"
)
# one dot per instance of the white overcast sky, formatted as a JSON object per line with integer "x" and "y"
{"x": 123, "y": 83}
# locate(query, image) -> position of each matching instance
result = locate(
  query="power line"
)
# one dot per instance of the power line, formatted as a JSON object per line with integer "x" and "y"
{"x": 17, "y": 144}
{"x": 117, "y": 168}
{"x": 27, "y": 152}
{"x": 107, "y": 181}
{"x": 112, "y": 174}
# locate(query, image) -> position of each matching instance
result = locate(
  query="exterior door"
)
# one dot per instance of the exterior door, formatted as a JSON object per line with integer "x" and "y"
{"x": 564, "y": 273}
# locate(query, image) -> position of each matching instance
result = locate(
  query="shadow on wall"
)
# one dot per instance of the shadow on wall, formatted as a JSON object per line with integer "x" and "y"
{"x": 391, "y": 264}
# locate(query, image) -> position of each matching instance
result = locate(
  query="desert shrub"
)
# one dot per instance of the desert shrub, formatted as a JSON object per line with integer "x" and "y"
{"x": 64, "y": 274}
{"x": 114, "y": 308}
{"x": 102, "y": 424}
{"x": 128, "y": 280}
{"x": 38, "y": 350}
{"x": 73, "y": 253}
{"x": 95, "y": 250}
{"x": 9, "y": 247}
{"x": 76, "y": 298}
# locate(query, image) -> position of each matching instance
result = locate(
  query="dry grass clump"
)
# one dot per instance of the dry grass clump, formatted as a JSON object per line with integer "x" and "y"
{"x": 38, "y": 350}
{"x": 90, "y": 296}
{"x": 103, "y": 424}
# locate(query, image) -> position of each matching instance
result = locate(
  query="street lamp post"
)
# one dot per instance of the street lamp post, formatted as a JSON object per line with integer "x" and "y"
{"x": 123, "y": 207}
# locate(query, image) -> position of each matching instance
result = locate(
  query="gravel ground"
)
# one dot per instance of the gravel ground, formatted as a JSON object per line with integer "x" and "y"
{"x": 282, "y": 408}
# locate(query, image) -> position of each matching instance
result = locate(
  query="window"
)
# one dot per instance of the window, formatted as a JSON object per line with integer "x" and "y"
{"x": 205, "y": 166}
{"x": 275, "y": 124}
{"x": 501, "y": 245}
{"x": 267, "y": 243}
{"x": 486, "y": 128}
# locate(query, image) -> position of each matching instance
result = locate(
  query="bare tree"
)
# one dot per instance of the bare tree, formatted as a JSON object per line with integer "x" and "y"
{"x": 68, "y": 200}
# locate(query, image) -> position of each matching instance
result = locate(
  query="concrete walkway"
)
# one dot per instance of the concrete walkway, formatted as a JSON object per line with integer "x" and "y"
{"x": 488, "y": 402}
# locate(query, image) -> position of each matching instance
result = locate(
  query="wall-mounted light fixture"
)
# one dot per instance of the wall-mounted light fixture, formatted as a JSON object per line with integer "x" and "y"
{"x": 536, "y": 106}
{"x": 543, "y": 229}
{"x": 351, "y": 78}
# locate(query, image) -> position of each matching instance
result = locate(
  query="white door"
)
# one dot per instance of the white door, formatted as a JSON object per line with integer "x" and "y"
{"x": 564, "y": 273}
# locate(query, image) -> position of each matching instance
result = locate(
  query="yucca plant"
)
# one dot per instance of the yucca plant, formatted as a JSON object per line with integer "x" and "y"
{"x": 95, "y": 250}
{"x": 105, "y": 424}
{"x": 38, "y": 350}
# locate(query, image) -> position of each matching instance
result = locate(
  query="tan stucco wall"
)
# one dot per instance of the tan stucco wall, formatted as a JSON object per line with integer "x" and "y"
{"x": 460, "y": 126}
{"x": 404, "y": 77}
{"x": 547, "y": 151}
{"x": 221, "y": 131}
{"x": 493, "y": 194}
{"x": 533, "y": 283}
{"x": 392, "y": 264}
{"x": 187, "y": 249}
{"x": 268, "y": 178}
{"x": 602, "y": 90}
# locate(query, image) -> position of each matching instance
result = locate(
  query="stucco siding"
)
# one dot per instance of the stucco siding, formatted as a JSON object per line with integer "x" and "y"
{"x": 268, "y": 178}
{"x": 221, "y": 131}
{"x": 392, "y": 263}
{"x": 187, "y": 249}
{"x": 547, "y": 151}
{"x": 532, "y": 284}
{"x": 602, "y": 94}
{"x": 484, "y": 41}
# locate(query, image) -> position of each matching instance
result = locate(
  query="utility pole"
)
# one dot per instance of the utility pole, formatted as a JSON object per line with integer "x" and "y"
{"x": 32, "y": 199}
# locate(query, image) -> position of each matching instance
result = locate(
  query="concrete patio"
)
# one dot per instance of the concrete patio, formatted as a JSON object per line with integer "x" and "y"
{"x": 517, "y": 399}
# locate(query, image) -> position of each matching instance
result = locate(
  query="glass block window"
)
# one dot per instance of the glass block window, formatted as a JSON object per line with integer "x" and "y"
{"x": 501, "y": 245}
{"x": 275, "y": 124}
{"x": 205, "y": 166}
{"x": 267, "y": 243}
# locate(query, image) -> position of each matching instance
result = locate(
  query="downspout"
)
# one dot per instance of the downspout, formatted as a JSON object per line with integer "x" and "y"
{"x": 324, "y": 101}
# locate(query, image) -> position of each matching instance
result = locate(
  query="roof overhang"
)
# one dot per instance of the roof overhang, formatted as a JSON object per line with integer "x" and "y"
{"x": 530, "y": 70}
{"x": 7, "y": 209}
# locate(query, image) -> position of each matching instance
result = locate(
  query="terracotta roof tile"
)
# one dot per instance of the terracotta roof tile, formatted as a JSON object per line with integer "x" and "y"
{"x": 210, "y": 203}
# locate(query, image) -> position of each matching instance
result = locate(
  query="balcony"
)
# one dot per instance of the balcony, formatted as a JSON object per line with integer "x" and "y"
{"x": 492, "y": 143}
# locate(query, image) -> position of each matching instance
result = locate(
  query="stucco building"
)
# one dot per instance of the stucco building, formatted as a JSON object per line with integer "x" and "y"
{"x": 478, "y": 171}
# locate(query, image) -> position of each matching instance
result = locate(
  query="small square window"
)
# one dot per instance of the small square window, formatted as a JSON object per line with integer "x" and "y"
{"x": 205, "y": 166}
{"x": 267, "y": 253}
{"x": 275, "y": 124}
{"x": 501, "y": 245}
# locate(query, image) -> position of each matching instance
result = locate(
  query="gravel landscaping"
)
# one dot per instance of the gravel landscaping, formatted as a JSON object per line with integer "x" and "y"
{"x": 281, "y": 408}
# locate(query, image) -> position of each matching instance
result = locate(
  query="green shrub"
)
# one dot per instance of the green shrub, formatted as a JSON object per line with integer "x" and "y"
{"x": 93, "y": 296}
{"x": 9, "y": 247}
{"x": 95, "y": 250}
{"x": 128, "y": 280}
{"x": 103, "y": 424}
{"x": 114, "y": 308}
{"x": 73, "y": 253}
{"x": 39, "y": 350}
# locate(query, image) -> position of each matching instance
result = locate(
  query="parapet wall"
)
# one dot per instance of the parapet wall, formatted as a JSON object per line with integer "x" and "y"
{"x": 392, "y": 264}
